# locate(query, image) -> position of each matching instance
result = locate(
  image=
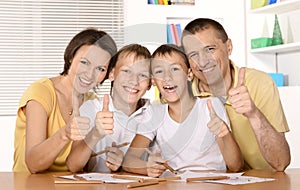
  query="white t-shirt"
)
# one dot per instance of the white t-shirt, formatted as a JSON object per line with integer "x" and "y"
{"x": 188, "y": 145}
{"x": 125, "y": 128}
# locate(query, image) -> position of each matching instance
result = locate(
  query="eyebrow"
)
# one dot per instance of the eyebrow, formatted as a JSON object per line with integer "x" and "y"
{"x": 102, "y": 65}
{"x": 85, "y": 59}
{"x": 190, "y": 53}
{"x": 205, "y": 47}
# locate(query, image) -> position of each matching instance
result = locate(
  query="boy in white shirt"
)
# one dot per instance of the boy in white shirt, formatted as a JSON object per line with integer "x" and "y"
{"x": 190, "y": 133}
{"x": 130, "y": 75}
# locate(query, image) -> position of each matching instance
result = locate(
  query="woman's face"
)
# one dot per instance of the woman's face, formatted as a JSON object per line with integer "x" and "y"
{"x": 88, "y": 68}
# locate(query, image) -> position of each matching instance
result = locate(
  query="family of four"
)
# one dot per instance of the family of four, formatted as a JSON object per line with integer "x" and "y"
{"x": 212, "y": 114}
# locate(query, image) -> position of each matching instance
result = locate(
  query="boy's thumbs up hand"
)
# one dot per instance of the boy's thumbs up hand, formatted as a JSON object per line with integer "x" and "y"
{"x": 105, "y": 103}
{"x": 104, "y": 122}
{"x": 216, "y": 125}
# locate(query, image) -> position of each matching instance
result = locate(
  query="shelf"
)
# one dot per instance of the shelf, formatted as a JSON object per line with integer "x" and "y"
{"x": 284, "y": 48}
{"x": 280, "y": 7}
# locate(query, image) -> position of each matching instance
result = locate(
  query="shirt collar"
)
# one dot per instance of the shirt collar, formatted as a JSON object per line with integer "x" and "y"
{"x": 139, "y": 111}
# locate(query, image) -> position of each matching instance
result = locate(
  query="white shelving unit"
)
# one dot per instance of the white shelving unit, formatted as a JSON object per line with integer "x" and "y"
{"x": 286, "y": 58}
{"x": 284, "y": 48}
{"x": 278, "y": 8}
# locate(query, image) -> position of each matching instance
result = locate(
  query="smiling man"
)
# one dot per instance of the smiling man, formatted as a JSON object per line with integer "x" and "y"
{"x": 252, "y": 99}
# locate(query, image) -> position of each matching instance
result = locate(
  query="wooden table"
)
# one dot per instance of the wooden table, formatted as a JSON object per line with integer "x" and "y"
{"x": 288, "y": 180}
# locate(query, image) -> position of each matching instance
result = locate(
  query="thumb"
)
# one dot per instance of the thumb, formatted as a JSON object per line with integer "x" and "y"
{"x": 210, "y": 108}
{"x": 241, "y": 77}
{"x": 75, "y": 106}
{"x": 158, "y": 152}
{"x": 105, "y": 102}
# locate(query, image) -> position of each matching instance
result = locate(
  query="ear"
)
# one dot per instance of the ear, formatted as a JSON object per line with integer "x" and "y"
{"x": 153, "y": 82}
{"x": 229, "y": 46}
{"x": 111, "y": 75}
{"x": 190, "y": 75}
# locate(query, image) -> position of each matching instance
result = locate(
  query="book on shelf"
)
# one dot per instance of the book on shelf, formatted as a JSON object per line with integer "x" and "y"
{"x": 173, "y": 33}
{"x": 169, "y": 34}
{"x": 179, "y": 31}
{"x": 171, "y": 2}
{"x": 182, "y": 2}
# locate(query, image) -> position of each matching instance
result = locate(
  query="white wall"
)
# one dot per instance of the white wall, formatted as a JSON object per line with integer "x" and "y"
{"x": 290, "y": 102}
{"x": 147, "y": 23}
{"x": 7, "y": 128}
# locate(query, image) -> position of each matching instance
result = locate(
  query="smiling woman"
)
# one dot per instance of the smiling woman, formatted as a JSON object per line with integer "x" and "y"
{"x": 43, "y": 120}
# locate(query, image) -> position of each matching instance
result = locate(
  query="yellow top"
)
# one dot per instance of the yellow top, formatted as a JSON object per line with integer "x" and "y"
{"x": 264, "y": 94}
{"x": 43, "y": 92}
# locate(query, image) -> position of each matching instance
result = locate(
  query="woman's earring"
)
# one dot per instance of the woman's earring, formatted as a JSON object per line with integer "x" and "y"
{"x": 190, "y": 75}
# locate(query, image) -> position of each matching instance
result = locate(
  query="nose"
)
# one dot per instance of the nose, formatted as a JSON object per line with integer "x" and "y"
{"x": 203, "y": 59}
{"x": 167, "y": 76}
{"x": 133, "y": 79}
{"x": 90, "y": 73}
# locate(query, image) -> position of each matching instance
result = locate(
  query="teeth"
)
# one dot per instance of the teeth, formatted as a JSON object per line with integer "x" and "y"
{"x": 207, "y": 70}
{"x": 85, "y": 81}
{"x": 131, "y": 90}
{"x": 169, "y": 87}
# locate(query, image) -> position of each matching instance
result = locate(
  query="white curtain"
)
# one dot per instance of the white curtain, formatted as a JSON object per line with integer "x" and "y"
{"x": 34, "y": 34}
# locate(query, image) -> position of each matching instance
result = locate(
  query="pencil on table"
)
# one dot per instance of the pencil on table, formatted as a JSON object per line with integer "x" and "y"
{"x": 206, "y": 178}
{"x": 139, "y": 179}
{"x": 169, "y": 167}
{"x": 168, "y": 178}
{"x": 104, "y": 151}
{"x": 164, "y": 163}
{"x": 141, "y": 184}
{"x": 77, "y": 177}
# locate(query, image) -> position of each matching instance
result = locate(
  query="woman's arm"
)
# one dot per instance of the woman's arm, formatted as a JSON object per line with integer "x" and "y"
{"x": 81, "y": 152}
{"x": 82, "y": 149}
{"x": 40, "y": 151}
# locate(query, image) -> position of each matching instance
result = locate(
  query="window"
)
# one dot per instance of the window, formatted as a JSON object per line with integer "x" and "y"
{"x": 35, "y": 33}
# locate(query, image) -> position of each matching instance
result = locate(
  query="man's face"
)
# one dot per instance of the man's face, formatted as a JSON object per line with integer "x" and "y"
{"x": 208, "y": 56}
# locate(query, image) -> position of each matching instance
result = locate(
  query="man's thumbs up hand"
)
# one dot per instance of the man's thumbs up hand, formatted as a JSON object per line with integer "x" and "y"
{"x": 240, "y": 98}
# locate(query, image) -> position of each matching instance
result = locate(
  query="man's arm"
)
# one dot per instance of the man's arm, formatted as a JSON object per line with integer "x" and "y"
{"x": 272, "y": 144}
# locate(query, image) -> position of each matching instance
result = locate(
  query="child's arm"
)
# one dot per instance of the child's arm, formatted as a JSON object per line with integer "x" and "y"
{"x": 228, "y": 146}
{"x": 134, "y": 163}
{"x": 155, "y": 164}
{"x": 114, "y": 157}
{"x": 81, "y": 149}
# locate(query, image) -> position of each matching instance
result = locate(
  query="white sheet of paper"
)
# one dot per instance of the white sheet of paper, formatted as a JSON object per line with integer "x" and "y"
{"x": 241, "y": 180}
{"x": 234, "y": 178}
{"x": 107, "y": 178}
{"x": 191, "y": 174}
